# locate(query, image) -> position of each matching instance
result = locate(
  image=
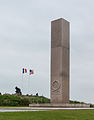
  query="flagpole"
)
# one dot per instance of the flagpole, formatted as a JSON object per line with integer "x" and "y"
{"x": 22, "y": 82}
{"x": 23, "y": 70}
{"x": 28, "y": 83}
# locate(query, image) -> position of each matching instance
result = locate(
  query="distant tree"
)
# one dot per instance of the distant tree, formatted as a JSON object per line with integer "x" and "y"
{"x": 0, "y": 93}
{"x": 27, "y": 94}
{"x": 18, "y": 91}
{"x": 36, "y": 94}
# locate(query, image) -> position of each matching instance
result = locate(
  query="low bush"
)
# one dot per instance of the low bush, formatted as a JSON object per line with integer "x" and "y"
{"x": 21, "y": 100}
{"x": 13, "y": 100}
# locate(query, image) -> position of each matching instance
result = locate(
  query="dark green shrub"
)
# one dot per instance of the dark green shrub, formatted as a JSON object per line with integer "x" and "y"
{"x": 13, "y": 100}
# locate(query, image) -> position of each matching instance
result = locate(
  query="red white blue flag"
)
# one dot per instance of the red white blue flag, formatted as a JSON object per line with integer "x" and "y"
{"x": 24, "y": 70}
{"x": 31, "y": 72}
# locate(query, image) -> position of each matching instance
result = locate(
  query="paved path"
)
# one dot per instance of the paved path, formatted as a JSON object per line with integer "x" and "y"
{"x": 17, "y": 109}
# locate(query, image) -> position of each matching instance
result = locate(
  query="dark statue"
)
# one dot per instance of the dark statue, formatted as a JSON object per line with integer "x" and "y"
{"x": 18, "y": 91}
{"x": 36, "y": 94}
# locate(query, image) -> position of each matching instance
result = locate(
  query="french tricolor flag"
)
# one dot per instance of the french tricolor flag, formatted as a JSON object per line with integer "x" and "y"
{"x": 31, "y": 72}
{"x": 24, "y": 70}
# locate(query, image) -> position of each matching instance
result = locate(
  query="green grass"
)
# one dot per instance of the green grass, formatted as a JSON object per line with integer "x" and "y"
{"x": 49, "y": 115}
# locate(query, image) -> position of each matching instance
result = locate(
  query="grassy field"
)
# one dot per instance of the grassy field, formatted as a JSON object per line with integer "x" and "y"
{"x": 49, "y": 115}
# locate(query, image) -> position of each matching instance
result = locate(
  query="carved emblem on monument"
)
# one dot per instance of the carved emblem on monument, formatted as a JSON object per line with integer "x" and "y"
{"x": 55, "y": 85}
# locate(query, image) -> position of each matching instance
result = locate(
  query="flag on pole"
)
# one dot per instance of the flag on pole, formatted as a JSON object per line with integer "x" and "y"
{"x": 31, "y": 72}
{"x": 24, "y": 70}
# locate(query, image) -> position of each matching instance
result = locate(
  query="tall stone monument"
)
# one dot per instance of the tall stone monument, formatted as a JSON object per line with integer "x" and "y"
{"x": 60, "y": 51}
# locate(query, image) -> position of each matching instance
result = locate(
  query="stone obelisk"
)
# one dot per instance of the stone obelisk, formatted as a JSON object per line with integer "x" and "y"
{"x": 60, "y": 59}
{"x": 60, "y": 51}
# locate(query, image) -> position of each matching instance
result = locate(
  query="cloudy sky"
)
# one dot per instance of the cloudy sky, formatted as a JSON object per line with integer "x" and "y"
{"x": 25, "y": 36}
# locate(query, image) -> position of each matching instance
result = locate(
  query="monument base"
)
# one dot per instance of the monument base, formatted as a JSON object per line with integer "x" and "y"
{"x": 59, "y": 105}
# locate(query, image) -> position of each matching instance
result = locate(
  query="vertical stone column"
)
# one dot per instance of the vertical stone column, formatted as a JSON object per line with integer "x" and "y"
{"x": 60, "y": 61}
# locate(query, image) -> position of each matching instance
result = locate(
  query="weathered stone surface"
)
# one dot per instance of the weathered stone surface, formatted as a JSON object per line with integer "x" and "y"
{"x": 60, "y": 61}
{"x": 61, "y": 105}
